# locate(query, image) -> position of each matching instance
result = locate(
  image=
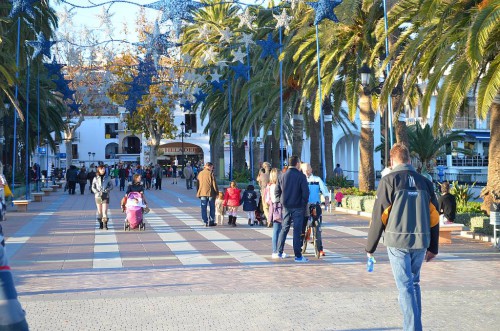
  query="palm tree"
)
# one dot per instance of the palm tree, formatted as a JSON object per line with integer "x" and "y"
{"x": 454, "y": 55}
{"x": 426, "y": 147}
{"x": 345, "y": 48}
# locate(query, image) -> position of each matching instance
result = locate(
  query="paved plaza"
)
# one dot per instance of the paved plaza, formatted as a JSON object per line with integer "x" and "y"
{"x": 179, "y": 275}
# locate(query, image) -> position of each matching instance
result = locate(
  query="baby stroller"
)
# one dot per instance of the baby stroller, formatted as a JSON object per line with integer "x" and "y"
{"x": 134, "y": 209}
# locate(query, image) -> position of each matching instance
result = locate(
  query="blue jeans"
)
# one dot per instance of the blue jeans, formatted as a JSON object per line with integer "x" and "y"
{"x": 207, "y": 201}
{"x": 295, "y": 215}
{"x": 406, "y": 264}
{"x": 276, "y": 232}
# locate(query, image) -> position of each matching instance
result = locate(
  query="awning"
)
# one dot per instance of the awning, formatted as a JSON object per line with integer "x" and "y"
{"x": 479, "y": 135}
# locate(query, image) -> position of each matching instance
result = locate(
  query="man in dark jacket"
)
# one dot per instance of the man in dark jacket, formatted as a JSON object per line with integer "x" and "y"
{"x": 293, "y": 193}
{"x": 72, "y": 178}
{"x": 406, "y": 209}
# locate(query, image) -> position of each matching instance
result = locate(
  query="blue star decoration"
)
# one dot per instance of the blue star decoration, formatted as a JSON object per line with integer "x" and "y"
{"x": 176, "y": 10}
{"x": 187, "y": 105}
{"x": 74, "y": 107}
{"x": 53, "y": 68}
{"x": 200, "y": 96}
{"x": 269, "y": 47}
{"x": 218, "y": 85}
{"x": 241, "y": 70}
{"x": 41, "y": 46}
{"x": 325, "y": 9}
{"x": 22, "y": 6}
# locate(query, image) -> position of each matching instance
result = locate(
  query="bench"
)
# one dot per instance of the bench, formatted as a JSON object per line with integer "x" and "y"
{"x": 22, "y": 205}
{"x": 54, "y": 187}
{"x": 60, "y": 184}
{"x": 47, "y": 190}
{"x": 38, "y": 196}
{"x": 445, "y": 231}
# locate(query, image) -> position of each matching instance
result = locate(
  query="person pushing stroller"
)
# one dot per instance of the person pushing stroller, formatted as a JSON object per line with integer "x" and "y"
{"x": 134, "y": 203}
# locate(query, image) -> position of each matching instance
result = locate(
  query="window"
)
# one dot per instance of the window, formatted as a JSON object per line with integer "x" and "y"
{"x": 190, "y": 121}
{"x": 111, "y": 130}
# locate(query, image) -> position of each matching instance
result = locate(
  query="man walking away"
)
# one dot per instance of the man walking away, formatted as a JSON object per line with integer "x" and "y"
{"x": 406, "y": 209}
{"x": 337, "y": 172}
{"x": 293, "y": 193}
{"x": 207, "y": 192}
{"x": 188, "y": 175}
{"x": 157, "y": 175}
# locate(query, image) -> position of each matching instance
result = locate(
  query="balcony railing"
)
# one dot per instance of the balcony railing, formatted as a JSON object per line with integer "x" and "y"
{"x": 131, "y": 150}
{"x": 464, "y": 161}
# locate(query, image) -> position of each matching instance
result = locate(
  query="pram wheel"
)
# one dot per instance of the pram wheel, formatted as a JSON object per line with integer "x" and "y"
{"x": 126, "y": 226}
{"x": 142, "y": 226}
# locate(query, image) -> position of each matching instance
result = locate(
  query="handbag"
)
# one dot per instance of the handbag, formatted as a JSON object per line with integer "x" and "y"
{"x": 104, "y": 195}
{"x": 277, "y": 211}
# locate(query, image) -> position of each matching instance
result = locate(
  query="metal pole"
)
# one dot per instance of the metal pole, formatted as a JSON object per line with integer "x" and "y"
{"x": 26, "y": 144}
{"x": 281, "y": 102}
{"x": 250, "y": 134}
{"x": 14, "y": 148}
{"x": 321, "y": 119}
{"x": 230, "y": 131}
{"x": 182, "y": 145}
{"x": 387, "y": 70}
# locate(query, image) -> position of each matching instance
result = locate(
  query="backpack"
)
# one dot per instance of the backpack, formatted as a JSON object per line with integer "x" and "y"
{"x": 267, "y": 195}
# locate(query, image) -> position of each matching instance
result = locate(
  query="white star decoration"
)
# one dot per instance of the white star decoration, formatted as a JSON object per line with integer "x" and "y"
{"x": 294, "y": 3}
{"x": 216, "y": 76}
{"x": 186, "y": 58}
{"x": 238, "y": 55}
{"x": 225, "y": 35}
{"x": 283, "y": 20}
{"x": 246, "y": 19}
{"x": 210, "y": 55}
{"x": 247, "y": 39}
{"x": 221, "y": 64}
{"x": 104, "y": 17}
{"x": 204, "y": 32}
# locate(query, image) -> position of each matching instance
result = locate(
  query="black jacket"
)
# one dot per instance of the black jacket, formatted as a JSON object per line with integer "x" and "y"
{"x": 448, "y": 206}
{"x": 292, "y": 189}
{"x": 406, "y": 209}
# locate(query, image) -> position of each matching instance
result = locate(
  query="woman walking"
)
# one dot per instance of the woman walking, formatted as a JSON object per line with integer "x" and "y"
{"x": 232, "y": 201}
{"x": 101, "y": 185}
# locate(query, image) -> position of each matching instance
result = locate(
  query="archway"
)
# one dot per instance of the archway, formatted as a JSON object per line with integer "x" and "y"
{"x": 167, "y": 153}
{"x": 347, "y": 155}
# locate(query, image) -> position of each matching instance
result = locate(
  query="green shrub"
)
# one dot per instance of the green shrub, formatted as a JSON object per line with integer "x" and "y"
{"x": 339, "y": 181}
{"x": 471, "y": 207}
{"x": 481, "y": 224}
{"x": 242, "y": 176}
{"x": 346, "y": 201}
{"x": 462, "y": 193}
{"x": 465, "y": 218}
{"x": 356, "y": 192}
{"x": 356, "y": 203}
{"x": 368, "y": 203}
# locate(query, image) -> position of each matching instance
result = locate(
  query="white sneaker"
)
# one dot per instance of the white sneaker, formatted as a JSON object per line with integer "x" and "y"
{"x": 283, "y": 255}
{"x": 302, "y": 259}
{"x": 275, "y": 256}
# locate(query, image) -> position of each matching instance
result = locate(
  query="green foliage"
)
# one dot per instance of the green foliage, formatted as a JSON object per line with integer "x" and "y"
{"x": 471, "y": 207}
{"x": 355, "y": 191}
{"x": 339, "y": 181}
{"x": 462, "y": 193}
{"x": 481, "y": 224}
{"x": 359, "y": 203}
{"x": 242, "y": 176}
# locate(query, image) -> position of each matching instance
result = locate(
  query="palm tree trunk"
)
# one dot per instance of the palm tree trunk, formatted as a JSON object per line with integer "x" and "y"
{"x": 238, "y": 157}
{"x": 275, "y": 151}
{"x": 366, "y": 169}
{"x": 298, "y": 133}
{"x": 401, "y": 130}
{"x": 327, "y": 109}
{"x": 217, "y": 150}
{"x": 314, "y": 135}
{"x": 493, "y": 185}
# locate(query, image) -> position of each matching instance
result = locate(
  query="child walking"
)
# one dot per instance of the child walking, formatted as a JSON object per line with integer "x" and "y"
{"x": 250, "y": 204}
{"x": 338, "y": 197}
{"x": 220, "y": 210}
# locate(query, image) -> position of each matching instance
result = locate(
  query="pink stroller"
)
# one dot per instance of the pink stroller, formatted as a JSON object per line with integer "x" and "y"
{"x": 134, "y": 209}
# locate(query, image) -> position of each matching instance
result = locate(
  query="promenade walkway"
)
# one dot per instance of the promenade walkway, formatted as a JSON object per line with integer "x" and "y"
{"x": 179, "y": 275}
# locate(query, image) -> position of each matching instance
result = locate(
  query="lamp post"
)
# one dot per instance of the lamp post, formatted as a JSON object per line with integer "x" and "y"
{"x": 90, "y": 153}
{"x": 182, "y": 135}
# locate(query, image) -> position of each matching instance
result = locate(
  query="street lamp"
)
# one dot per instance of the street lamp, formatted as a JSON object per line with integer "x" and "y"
{"x": 182, "y": 135}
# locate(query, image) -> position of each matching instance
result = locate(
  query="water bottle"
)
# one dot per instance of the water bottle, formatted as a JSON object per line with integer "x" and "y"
{"x": 369, "y": 264}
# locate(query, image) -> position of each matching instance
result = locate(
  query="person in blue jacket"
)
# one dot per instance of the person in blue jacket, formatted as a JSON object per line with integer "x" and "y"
{"x": 249, "y": 200}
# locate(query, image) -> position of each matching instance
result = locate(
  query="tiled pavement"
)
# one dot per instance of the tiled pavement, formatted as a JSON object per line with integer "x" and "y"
{"x": 179, "y": 275}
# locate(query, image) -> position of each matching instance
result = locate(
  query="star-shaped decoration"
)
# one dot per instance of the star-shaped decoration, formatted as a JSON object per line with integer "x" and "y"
{"x": 239, "y": 56}
{"x": 53, "y": 68}
{"x": 247, "y": 39}
{"x": 283, "y": 20}
{"x": 186, "y": 58}
{"x": 218, "y": 85}
{"x": 104, "y": 17}
{"x": 269, "y": 47}
{"x": 216, "y": 76}
{"x": 325, "y": 9}
{"x": 200, "y": 79}
{"x": 246, "y": 19}
{"x": 241, "y": 70}
{"x": 176, "y": 10}
{"x": 200, "y": 96}
{"x": 176, "y": 89}
{"x": 210, "y": 55}
{"x": 74, "y": 107}
{"x": 226, "y": 35}
{"x": 41, "y": 46}
{"x": 22, "y": 6}
{"x": 204, "y": 32}
{"x": 65, "y": 17}
{"x": 221, "y": 64}
{"x": 187, "y": 105}
{"x": 294, "y": 3}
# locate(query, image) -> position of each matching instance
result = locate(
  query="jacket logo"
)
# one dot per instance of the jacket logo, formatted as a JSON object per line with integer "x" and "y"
{"x": 411, "y": 182}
